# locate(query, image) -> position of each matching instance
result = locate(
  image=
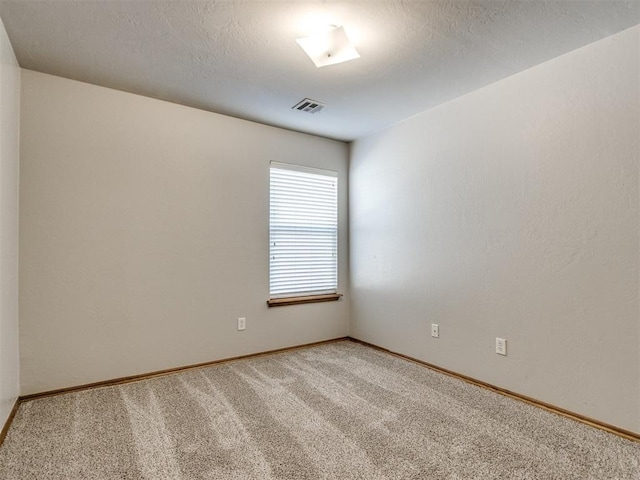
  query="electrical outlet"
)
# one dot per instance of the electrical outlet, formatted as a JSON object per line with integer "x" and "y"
{"x": 501, "y": 346}
{"x": 435, "y": 330}
{"x": 242, "y": 323}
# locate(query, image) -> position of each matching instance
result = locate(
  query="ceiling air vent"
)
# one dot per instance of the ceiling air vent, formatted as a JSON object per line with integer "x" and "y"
{"x": 308, "y": 105}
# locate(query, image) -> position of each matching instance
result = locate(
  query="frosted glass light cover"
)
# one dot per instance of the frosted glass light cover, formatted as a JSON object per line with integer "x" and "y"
{"x": 328, "y": 48}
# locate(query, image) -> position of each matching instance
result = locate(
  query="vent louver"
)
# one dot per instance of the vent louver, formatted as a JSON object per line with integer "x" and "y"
{"x": 308, "y": 105}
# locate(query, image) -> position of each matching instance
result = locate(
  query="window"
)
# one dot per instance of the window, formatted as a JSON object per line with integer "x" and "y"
{"x": 303, "y": 235}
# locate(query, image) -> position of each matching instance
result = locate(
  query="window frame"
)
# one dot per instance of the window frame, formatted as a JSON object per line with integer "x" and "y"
{"x": 300, "y": 297}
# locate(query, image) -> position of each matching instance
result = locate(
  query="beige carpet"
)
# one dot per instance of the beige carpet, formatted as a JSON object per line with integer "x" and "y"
{"x": 334, "y": 411}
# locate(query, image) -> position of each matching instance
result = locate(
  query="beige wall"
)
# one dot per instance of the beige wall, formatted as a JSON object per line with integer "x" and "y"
{"x": 9, "y": 168}
{"x": 144, "y": 235}
{"x": 512, "y": 212}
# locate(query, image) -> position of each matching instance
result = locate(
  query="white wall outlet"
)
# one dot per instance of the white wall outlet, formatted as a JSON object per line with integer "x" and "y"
{"x": 435, "y": 330}
{"x": 501, "y": 346}
{"x": 242, "y": 323}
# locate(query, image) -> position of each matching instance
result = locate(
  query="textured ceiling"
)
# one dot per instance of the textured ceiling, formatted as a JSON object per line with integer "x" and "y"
{"x": 240, "y": 58}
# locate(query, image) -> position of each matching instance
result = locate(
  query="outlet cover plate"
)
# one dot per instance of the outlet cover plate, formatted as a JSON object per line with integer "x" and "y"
{"x": 242, "y": 323}
{"x": 501, "y": 346}
{"x": 435, "y": 330}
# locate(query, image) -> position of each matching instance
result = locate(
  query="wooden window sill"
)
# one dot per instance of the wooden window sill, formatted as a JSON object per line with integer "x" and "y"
{"x": 281, "y": 302}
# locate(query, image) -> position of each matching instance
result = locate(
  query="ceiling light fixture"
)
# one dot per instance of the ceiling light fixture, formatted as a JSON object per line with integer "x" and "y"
{"x": 328, "y": 48}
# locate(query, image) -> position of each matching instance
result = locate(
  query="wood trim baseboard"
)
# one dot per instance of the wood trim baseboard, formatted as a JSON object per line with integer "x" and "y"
{"x": 7, "y": 423}
{"x": 168, "y": 371}
{"x": 621, "y": 432}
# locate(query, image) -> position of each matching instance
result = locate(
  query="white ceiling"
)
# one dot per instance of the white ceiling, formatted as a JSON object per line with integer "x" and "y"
{"x": 240, "y": 57}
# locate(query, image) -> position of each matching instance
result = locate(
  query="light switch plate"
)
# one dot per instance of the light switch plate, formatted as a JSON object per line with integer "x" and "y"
{"x": 501, "y": 346}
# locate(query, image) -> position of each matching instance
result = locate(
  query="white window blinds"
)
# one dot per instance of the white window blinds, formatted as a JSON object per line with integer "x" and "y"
{"x": 303, "y": 231}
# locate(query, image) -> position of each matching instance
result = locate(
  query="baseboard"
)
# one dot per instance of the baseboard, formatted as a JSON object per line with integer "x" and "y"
{"x": 628, "y": 434}
{"x": 7, "y": 424}
{"x": 159, "y": 373}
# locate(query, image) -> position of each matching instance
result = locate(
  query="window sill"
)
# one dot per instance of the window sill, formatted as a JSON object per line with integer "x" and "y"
{"x": 281, "y": 302}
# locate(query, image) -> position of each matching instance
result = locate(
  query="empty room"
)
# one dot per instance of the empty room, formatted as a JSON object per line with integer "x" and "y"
{"x": 290, "y": 239}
